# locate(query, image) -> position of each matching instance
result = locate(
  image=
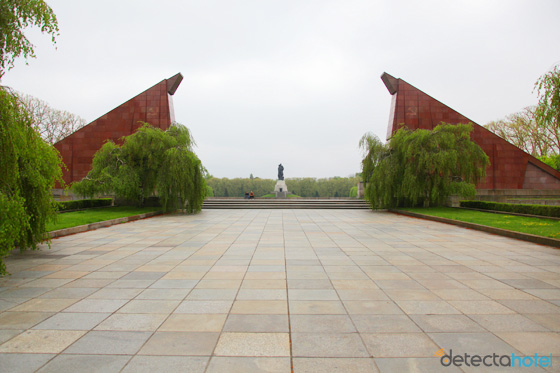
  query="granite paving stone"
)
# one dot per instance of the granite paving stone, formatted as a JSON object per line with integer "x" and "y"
{"x": 264, "y": 307}
{"x": 279, "y": 291}
{"x": 84, "y": 363}
{"x": 321, "y": 324}
{"x": 529, "y": 343}
{"x": 172, "y": 364}
{"x": 399, "y": 344}
{"x": 25, "y": 362}
{"x": 384, "y": 324}
{"x": 180, "y": 344}
{"x": 317, "y": 307}
{"x": 328, "y": 345}
{"x": 72, "y": 321}
{"x": 549, "y": 321}
{"x": 132, "y": 322}
{"x": 7, "y": 334}
{"x": 446, "y": 323}
{"x": 22, "y": 320}
{"x": 109, "y": 343}
{"x": 413, "y": 364}
{"x": 41, "y": 341}
{"x": 96, "y": 305}
{"x": 427, "y": 307}
{"x": 149, "y": 306}
{"x": 219, "y": 364}
{"x": 253, "y": 344}
{"x": 311, "y": 365}
{"x": 473, "y": 343}
{"x": 257, "y": 323}
{"x": 194, "y": 323}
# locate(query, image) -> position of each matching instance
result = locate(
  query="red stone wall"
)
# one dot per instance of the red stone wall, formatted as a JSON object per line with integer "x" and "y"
{"x": 153, "y": 106}
{"x": 508, "y": 164}
{"x": 535, "y": 178}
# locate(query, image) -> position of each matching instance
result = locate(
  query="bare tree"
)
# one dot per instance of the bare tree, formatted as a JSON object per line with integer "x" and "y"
{"x": 52, "y": 124}
{"x": 523, "y": 131}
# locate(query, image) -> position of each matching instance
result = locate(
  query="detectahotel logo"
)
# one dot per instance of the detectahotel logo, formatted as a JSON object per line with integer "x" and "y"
{"x": 492, "y": 360}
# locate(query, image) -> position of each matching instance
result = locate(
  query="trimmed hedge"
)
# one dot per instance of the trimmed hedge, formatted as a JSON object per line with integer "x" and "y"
{"x": 84, "y": 204}
{"x": 542, "y": 210}
{"x": 152, "y": 201}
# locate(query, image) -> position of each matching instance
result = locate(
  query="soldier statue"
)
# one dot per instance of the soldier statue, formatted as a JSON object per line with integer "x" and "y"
{"x": 280, "y": 172}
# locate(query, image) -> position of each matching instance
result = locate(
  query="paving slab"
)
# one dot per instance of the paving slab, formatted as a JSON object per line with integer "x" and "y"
{"x": 277, "y": 290}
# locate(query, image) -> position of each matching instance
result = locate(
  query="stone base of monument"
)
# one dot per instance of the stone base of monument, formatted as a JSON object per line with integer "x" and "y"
{"x": 281, "y": 189}
{"x": 281, "y": 194}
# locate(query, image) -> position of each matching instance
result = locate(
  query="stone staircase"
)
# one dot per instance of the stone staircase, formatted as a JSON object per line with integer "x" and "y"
{"x": 294, "y": 203}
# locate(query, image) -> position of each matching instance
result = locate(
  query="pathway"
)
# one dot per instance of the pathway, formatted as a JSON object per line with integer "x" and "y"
{"x": 277, "y": 290}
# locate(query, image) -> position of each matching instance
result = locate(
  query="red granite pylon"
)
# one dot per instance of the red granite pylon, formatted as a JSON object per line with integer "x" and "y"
{"x": 153, "y": 106}
{"x": 510, "y": 167}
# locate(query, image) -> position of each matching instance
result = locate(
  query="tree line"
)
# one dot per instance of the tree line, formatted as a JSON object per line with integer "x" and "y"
{"x": 303, "y": 187}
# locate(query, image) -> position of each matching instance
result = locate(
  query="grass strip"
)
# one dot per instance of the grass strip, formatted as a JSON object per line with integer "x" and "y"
{"x": 76, "y": 218}
{"x": 272, "y": 195}
{"x": 537, "y": 226}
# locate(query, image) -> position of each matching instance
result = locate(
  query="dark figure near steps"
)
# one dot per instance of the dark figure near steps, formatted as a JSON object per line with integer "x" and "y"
{"x": 280, "y": 172}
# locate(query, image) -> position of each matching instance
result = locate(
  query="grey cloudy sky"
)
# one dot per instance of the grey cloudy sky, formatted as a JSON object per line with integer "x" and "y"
{"x": 292, "y": 81}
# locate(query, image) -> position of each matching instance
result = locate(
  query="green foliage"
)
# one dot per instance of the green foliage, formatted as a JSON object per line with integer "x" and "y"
{"x": 547, "y": 113}
{"x": 519, "y": 208}
{"x": 422, "y": 166}
{"x": 353, "y": 192}
{"x": 149, "y": 162}
{"x": 224, "y": 187}
{"x": 324, "y": 187}
{"x": 552, "y": 160}
{"x": 29, "y": 168}
{"x": 15, "y": 16}
{"x": 84, "y": 204}
{"x": 303, "y": 187}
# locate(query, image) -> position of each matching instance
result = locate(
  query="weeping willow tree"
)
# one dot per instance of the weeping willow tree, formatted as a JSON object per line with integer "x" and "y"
{"x": 422, "y": 167}
{"x": 29, "y": 168}
{"x": 149, "y": 162}
{"x": 547, "y": 113}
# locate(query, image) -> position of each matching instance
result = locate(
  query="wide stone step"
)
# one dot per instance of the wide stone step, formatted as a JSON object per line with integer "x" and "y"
{"x": 216, "y": 203}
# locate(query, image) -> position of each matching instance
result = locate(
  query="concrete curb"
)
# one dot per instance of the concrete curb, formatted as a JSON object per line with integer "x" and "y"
{"x": 101, "y": 224}
{"x": 502, "y": 232}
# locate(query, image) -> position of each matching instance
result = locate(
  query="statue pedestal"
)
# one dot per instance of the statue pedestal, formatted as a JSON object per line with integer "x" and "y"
{"x": 281, "y": 189}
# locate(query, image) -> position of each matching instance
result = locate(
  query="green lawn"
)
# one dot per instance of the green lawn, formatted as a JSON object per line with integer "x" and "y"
{"x": 73, "y": 219}
{"x": 271, "y": 195}
{"x": 537, "y": 226}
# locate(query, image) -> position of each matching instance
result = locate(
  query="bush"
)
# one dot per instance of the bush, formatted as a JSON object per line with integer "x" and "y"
{"x": 542, "y": 210}
{"x": 84, "y": 204}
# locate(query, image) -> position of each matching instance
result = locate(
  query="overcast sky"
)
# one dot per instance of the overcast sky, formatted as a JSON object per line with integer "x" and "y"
{"x": 293, "y": 81}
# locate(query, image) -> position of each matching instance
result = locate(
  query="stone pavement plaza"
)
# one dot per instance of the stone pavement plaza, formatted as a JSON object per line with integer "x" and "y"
{"x": 278, "y": 291}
